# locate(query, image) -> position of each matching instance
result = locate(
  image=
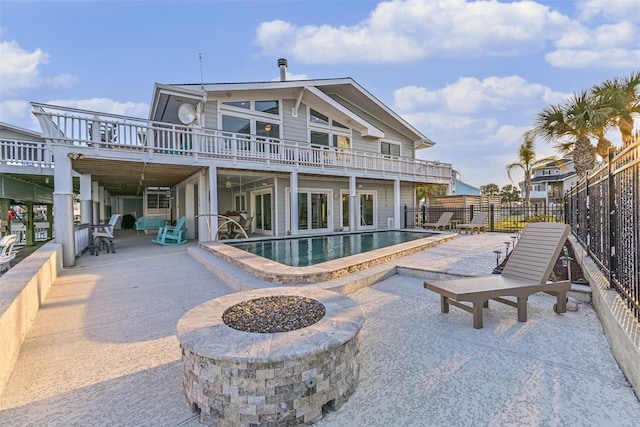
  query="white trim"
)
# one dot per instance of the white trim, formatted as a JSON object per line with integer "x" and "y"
{"x": 307, "y": 190}
{"x": 390, "y": 142}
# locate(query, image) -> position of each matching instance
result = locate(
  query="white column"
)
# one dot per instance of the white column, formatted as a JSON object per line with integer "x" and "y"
{"x": 353, "y": 223}
{"x": 63, "y": 205}
{"x": 86, "y": 204}
{"x": 208, "y": 203}
{"x": 294, "y": 203}
{"x": 95, "y": 200}
{"x": 101, "y": 204}
{"x": 190, "y": 210}
{"x": 396, "y": 204}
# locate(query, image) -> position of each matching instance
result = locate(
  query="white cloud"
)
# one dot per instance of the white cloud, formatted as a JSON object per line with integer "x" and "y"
{"x": 467, "y": 120}
{"x": 14, "y": 110}
{"x": 610, "y": 45}
{"x": 105, "y": 105}
{"x": 470, "y": 95}
{"x": 617, "y": 9}
{"x": 20, "y": 70}
{"x": 407, "y": 30}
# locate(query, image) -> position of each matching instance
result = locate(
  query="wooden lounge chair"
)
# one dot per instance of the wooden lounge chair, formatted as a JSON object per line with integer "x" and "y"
{"x": 7, "y": 251}
{"x": 526, "y": 272}
{"x": 170, "y": 236}
{"x": 443, "y": 222}
{"x": 476, "y": 223}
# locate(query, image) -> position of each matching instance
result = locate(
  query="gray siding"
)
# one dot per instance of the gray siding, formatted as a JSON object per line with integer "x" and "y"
{"x": 294, "y": 129}
{"x": 211, "y": 115}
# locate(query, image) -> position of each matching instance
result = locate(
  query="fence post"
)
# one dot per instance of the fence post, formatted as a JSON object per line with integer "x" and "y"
{"x": 424, "y": 213}
{"x": 405, "y": 216}
{"x": 491, "y": 218}
{"x": 613, "y": 258}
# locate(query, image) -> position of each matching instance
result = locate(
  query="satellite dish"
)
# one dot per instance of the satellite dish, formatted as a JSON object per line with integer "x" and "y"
{"x": 187, "y": 113}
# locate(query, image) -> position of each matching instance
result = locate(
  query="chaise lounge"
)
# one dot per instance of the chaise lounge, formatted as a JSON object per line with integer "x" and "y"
{"x": 442, "y": 223}
{"x": 476, "y": 223}
{"x": 526, "y": 272}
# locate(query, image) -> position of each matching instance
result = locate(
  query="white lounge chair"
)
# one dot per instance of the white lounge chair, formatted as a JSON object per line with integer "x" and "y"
{"x": 526, "y": 272}
{"x": 442, "y": 223}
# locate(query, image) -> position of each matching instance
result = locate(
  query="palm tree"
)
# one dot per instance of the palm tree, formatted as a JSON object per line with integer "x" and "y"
{"x": 622, "y": 95}
{"x": 527, "y": 162}
{"x": 579, "y": 119}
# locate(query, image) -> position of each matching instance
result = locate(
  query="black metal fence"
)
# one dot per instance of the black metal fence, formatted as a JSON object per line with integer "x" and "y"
{"x": 505, "y": 218}
{"x": 604, "y": 213}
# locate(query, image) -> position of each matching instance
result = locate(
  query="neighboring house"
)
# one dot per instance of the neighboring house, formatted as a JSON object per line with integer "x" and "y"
{"x": 461, "y": 188}
{"x": 298, "y": 157}
{"x": 551, "y": 181}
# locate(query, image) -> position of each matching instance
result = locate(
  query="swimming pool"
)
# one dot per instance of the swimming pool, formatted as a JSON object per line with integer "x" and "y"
{"x": 353, "y": 254}
{"x": 306, "y": 251}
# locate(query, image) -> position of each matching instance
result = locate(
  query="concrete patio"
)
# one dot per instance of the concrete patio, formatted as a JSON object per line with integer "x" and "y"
{"x": 103, "y": 349}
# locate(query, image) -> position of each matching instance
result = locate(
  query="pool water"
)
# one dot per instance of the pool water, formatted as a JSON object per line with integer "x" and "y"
{"x": 306, "y": 251}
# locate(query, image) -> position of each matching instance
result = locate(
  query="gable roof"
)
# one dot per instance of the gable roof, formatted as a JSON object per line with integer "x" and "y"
{"x": 318, "y": 92}
{"x": 18, "y": 129}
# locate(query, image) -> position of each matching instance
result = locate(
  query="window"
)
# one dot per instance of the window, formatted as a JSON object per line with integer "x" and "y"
{"x": 389, "y": 149}
{"x": 323, "y": 130}
{"x": 271, "y": 107}
{"x": 239, "y": 104}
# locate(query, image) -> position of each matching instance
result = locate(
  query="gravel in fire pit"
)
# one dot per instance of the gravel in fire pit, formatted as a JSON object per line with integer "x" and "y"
{"x": 267, "y": 315}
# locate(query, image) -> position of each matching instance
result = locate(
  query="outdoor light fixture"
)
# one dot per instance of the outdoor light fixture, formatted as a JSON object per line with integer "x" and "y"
{"x": 228, "y": 184}
{"x": 75, "y": 156}
{"x": 514, "y": 238}
{"x": 497, "y": 252}
{"x": 506, "y": 248}
{"x": 187, "y": 113}
{"x": 267, "y": 127}
{"x": 566, "y": 262}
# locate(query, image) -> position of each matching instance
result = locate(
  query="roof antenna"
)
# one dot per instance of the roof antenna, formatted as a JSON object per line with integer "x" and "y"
{"x": 201, "y": 75}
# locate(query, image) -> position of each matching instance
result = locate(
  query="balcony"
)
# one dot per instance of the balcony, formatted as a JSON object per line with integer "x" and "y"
{"x": 87, "y": 130}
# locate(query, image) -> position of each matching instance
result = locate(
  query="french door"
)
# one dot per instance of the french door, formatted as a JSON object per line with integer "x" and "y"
{"x": 262, "y": 212}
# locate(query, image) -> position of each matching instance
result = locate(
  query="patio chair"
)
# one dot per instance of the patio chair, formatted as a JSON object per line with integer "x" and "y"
{"x": 103, "y": 236}
{"x": 476, "y": 223}
{"x": 172, "y": 235}
{"x": 526, "y": 272}
{"x": 7, "y": 251}
{"x": 444, "y": 221}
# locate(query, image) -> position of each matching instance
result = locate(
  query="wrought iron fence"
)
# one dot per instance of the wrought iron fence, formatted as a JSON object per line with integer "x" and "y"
{"x": 501, "y": 218}
{"x": 604, "y": 213}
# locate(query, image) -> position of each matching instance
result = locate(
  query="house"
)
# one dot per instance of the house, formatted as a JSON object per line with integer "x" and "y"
{"x": 461, "y": 188}
{"x": 299, "y": 157}
{"x": 551, "y": 181}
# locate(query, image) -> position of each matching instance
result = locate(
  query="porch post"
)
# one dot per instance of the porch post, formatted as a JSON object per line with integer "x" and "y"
{"x": 294, "y": 203}
{"x": 396, "y": 204}
{"x": 352, "y": 204}
{"x": 190, "y": 210}
{"x": 208, "y": 202}
{"x": 86, "y": 204}
{"x": 101, "y": 204}
{"x": 95, "y": 202}
{"x": 63, "y": 204}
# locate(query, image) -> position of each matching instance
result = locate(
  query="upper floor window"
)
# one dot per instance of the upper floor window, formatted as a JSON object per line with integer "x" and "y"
{"x": 268, "y": 106}
{"x": 390, "y": 149}
{"x": 546, "y": 172}
{"x": 323, "y": 130}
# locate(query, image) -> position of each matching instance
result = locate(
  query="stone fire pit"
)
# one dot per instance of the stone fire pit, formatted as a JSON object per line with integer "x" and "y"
{"x": 272, "y": 356}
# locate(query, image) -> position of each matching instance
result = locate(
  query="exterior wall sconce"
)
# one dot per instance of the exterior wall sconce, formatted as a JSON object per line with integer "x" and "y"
{"x": 267, "y": 127}
{"x": 228, "y": 184}
{"x": 75, "y": 156}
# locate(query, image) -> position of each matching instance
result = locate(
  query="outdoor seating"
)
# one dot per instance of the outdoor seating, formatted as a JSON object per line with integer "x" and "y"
{"x": 149, "y": 223}
{"x": 529, "y": 266}
{"x": 7, "y": 251}
{"x": 173, "y": 235}
{"x": 476, "y": 223}
{"x": 442, "y": 223}
{"x": 103, "y": 236}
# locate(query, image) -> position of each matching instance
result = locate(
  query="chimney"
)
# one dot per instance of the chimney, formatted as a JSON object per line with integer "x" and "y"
{"x": 282, "y": 64}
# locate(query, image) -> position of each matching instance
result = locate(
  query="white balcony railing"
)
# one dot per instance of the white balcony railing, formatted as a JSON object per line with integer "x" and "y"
{"x": 91, "y": 130}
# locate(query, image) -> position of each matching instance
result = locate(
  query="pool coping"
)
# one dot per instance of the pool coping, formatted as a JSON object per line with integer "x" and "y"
{"x": 275, "y": 272}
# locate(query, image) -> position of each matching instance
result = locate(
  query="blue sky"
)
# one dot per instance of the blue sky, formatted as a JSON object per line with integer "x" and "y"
{"x": 470, "y": 75}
